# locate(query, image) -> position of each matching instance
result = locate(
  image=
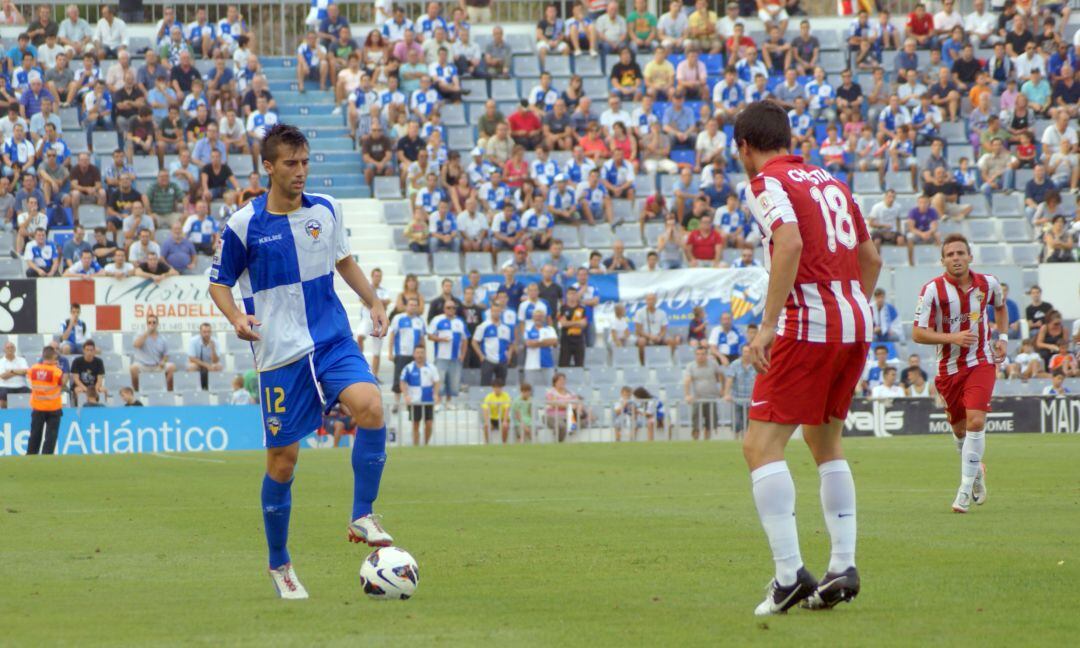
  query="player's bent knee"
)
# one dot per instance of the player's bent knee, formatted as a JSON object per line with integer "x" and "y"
{"x": 975, "y": 422}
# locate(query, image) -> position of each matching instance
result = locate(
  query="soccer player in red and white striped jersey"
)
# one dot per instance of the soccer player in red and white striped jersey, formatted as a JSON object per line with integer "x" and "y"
{"x": 952, "y": 313}
{"x": 810, "y": 351}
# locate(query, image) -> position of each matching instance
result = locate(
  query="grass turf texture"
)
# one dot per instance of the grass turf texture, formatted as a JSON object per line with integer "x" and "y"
{"x": 538, "y": 546}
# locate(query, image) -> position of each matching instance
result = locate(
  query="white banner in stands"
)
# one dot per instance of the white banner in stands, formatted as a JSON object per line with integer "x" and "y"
{"x": 181, "y": 303}
{"x": 1060, "y": 283}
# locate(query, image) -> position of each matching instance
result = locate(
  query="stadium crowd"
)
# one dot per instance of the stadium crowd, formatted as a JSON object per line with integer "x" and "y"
{"x": 653, "y": 147}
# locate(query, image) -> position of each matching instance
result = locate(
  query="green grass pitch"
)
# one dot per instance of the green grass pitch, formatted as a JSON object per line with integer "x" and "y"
{"x": 598, "y": 545}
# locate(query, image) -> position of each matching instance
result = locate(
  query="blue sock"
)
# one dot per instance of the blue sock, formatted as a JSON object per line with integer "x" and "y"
{"x": 276, "y": 507}
{"x": 368, "y": 458}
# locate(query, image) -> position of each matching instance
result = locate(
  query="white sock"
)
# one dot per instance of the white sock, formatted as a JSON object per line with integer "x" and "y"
{"x": 971, "y": 458}
{"x": 838, "y": 504}
{"x": 774, "y": 495}
{"x": 959, "y": 443}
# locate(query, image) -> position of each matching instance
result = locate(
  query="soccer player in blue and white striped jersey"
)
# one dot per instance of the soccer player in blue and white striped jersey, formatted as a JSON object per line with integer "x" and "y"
{"x": 281, "y": 250}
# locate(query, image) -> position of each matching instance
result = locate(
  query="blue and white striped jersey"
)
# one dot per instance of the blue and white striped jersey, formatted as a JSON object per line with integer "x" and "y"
{"x": 726, "y": 342}
{"x": 408, "y": 333}
{"x": 448, "y": 335}
{"x": 494, "y": 340}
{"x": 539, "y": 357}
{"x": 284, "y": 265}
{"x": 526, "y": 308}
{"x": 420, "y": 381}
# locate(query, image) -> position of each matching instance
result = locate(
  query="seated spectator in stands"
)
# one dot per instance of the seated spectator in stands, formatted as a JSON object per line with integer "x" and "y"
{"x": 701, "y": 29}
{"x": 1058, "y": 243}
{"x": 671, "y": 244}
{"x": 573, "y": 324}
{"x": 730, "y": 220}
{"x": 202, "y": 230}
{"x": 802, "y": 124}
{"x": 617, "y": 176}
{"x": 127, "y": 394}
{"x": 550, "y": 34}
{"x": 619, "y": 329}
{"x": 18, "y": 154}
{"x": 443, "y": 229}
{"x": 217, "y": 178}
{"x": 151, "y": 355}
{"x": 1052, "y": 341}
{"x": 1027, "y": 364}
{"x": 557, "y": 131}
{"x": 42, "y": 257}
{"x": 177, "y": 251}
{"x": 103, "y": 247}
{"x": 312, "y": 63}
{"x": 691, "y": 77}
{"x": 672, "y": 29}
{"x": 211, "y": 141}
{"x": 73, "y": 248}
{"x": 473, "y": 228}
{"x": 13, "y": 369}
{"x": 253, "y": 190}
{"x": 560, "y": 264}
{"x": 258, "y": 122}
{"x": 593, "y": 199}
{"x": 626, "y": 77}
{"x": 144, "y": 242}
{"x": 154, "y": 268}
{"x": 659, "y": 75}
{"x": 994, "y": 167}
{"x": 651, "y": 327}
{"x": 377, "y": 151}
{"x": 922, "y": 226}
{"x": 120, "y": 268}
{"x": 202, "y": 355}
{"x": 611, "y": 31}
{"x": 120, "y": 201}
{"x": 725, "y": 341}
{"x": 417, "y": 231}
{"x": 88, "y": 373}
{"x": 506, "y": 229}
{"x": 944, "y": 194}
{"x": 1036, "y": 190}
{"x": 497, "y": 57}
{"x": 704, "y": 246}
{"x": 679, "y": 123}
{"x": 884, "y": 220}
{"x": 163, "y": 197}
{"x": 27, "y": 224}
{"x": 618, "y": 262}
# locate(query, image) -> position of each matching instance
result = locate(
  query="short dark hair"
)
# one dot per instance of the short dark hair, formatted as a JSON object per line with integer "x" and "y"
{"x": 763, "y": 126}
{"x": 48, "y": 353}
{"x": 498, "y": 382}
{"x": 281, "y": 135}
{"x": 955, "y": 237}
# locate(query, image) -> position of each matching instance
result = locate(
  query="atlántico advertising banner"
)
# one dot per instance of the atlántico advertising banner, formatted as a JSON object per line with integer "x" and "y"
{"x": 181, "y": 303}
{"x": 120, "y": 430}
{"x": 740, "y": 291}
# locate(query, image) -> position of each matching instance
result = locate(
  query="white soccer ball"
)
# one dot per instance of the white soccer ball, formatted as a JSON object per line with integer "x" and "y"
{"x": 389, "y": 573}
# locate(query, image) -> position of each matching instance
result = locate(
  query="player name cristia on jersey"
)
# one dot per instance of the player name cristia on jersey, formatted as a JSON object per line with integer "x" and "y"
{"x": 815, "y": 176}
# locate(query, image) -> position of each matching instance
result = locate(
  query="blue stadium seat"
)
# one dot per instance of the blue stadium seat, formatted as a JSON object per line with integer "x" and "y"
{"x": 151, "y": 382}
{"x": 195, "y": 398}
{"x": 893, "y": 255}
{"x": 587, "y": 66}
{"x": 1026, "y": 254}
{"x": 454, "y": 115}
{"x": 568, "y": 234}
{"x": 526, "y": 66}
{"x": 901, "y": 182}
{"x": 386, "y": 188}
{"x": 400, "y": 243}
{"x": 625, "y": 357}
{"x": 186, "y": 381}
{"x": 866, "y": 181}
{"x": 981, "y": 231}
{"x": 1016, "y": 231}
{"x": 629, "y": 233}
{"x": 505, "y": 90}
{"x": 461, "y": 138}
{"x": 991, "y": 254}
{"x": 683, "y": 156}
{"x": 623, "y": 210}
{"x": 597, "y": 236}
{"x": 396, "y": 212}
{"x": 478, "y": 89}
{"x": 657, "y": 356}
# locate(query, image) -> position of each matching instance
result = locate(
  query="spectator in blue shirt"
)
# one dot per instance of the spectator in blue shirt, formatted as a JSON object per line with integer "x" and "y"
{"x": 1014, "y": 313}
{"x": 679, "y": 123}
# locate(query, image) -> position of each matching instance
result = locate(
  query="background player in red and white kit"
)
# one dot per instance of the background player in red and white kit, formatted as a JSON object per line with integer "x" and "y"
{"x": 810, "y": 351}
{"x": 951, "y": 313}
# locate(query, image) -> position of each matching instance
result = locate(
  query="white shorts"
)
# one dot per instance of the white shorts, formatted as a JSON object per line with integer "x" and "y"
{"x": 765, "y": 16}
{"x": 561, "y": 47}
{"x": 372, "y": 345}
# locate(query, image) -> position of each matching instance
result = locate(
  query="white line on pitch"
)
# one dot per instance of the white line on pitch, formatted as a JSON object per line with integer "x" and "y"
{"x": 167, "y": 456}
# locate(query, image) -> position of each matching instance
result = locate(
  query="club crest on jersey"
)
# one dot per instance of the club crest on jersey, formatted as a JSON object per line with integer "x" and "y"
{"x": 313, "y": 228}
{"x": 274, "y": 425}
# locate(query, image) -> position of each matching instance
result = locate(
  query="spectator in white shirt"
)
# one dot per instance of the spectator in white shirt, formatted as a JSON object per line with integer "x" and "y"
{"x": 981, "y": 26}
{"x": 651, "y": 327}
{"x": 110, "y": 35}
{"x": 888, "y": 388}
{"x": 13, "y": 370}
{"x": 120, "y": 268}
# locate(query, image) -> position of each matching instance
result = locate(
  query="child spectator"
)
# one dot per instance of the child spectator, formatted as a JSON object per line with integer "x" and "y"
{"x": 521, "y": 413}
{"x": 699, "y": 328}
{"x": 240, "y": 396}
{"x": 496, "y": 411}
{"x": 624, "y": 413}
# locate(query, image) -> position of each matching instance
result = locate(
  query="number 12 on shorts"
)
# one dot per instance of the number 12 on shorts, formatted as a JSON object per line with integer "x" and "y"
{"x": 275, "y": 404}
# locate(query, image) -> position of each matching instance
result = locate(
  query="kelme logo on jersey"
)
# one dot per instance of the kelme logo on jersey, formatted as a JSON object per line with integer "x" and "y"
{"x": 274, "y": 425}
{"x": 313, "y": 228}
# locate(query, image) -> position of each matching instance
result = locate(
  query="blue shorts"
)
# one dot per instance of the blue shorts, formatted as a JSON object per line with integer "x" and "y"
{"x": 295, "y": 397}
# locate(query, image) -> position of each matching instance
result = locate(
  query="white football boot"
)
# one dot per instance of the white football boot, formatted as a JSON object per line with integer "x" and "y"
{"x": 962, "y": 503}
{"x": 368, "y": 530}
{"x": 978, "y": 491}
{"x": 286, "y": 583}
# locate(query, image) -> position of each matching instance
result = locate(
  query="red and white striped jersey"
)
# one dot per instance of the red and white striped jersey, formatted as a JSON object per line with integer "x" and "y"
{"x": 944, "y": 307}
{"x": 827, "y": 303}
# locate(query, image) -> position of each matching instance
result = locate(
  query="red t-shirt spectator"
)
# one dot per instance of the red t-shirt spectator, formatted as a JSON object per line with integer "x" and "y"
{"x": 703, "y": 245}
{"x": 920, "y": 26}
{"x": 524, "y": 120}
